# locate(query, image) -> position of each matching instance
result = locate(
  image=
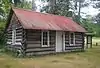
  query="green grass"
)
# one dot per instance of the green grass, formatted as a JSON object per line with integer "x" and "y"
{"x": 88, "y": 59}
{"x": 96, "y": 40}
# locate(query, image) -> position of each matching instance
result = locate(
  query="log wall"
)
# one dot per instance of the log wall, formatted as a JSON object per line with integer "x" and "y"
{"x": 14, "y": 24}
{"x": 79, "y": 42}
{"x": 34, "y": 46}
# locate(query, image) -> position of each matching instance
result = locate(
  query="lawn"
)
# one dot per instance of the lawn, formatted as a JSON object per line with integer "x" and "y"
{"x": 88, "y": 59}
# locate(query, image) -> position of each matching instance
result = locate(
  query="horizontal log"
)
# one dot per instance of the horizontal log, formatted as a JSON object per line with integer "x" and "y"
{"x": 33, "y": 42}
{"x": 19, "y": 37}
{"x": 71, "y": 48}
{"x": 78, "y": 38}
{"x": 18, "y": 43}
{"x": 33, "y": 45}
{"x": 74, "y": 45}
{"x": 9, "y": 42}
{"x": 9, "y": 34}
{"x": 14, "y": 46}
{"x": 40, "y": 49}
{"x": 9, "y": 39}
{"x": 19, "y": 30}
{"x": 78, "y": 42}
{"x": 39, "y": 53}
{"x": 19, "y": 34}
{"x": 35, "y": 39}
{"x": 17, "y": 48}
{"x": 52, "y": 46}
{"x": 35, "y": 34}
{"x": 19, "y": 40}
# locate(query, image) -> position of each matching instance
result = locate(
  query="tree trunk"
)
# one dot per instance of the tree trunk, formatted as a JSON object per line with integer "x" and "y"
{"x": 79, "y": 10}
{"x": 33, "y": 5}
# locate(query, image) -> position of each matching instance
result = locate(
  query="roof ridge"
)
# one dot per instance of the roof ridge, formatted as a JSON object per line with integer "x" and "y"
{"x": 29, "y": 10}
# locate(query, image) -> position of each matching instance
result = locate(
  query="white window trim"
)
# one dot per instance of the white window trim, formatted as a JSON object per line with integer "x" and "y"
{"x": 70, "y": 39}
{"x": 47, "y": 40}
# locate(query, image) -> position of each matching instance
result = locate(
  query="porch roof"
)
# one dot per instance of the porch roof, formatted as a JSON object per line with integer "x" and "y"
{"x": 37, "y": 20}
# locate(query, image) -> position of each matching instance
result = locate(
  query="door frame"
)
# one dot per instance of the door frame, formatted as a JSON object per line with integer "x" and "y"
{"x": 63, "y": 41}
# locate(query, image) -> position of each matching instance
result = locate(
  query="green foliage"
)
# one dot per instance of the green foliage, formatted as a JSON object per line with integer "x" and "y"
{"x": 24, "y": 4}
{"x": 58, "y": 7}
{"x": 2, "y": 36}
{"x": 4, "y": 10}
{"x": 91, "y": 27}
{"x": 5, "y": 6}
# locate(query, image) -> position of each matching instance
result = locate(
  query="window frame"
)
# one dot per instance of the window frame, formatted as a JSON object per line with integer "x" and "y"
{"x": 13, "y": 36}
{"x": 48, "y": 44}
{"x": 70, "y": 39}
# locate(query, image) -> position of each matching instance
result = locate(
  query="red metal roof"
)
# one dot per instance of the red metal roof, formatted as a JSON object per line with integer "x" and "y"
{"x": 36, "y": 20}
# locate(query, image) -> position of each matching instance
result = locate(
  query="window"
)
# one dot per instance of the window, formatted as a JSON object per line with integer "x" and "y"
{"x": 45, "y": 38}
{"x": 13, "y": 33}
{"x": 72, "y": 38}
{"x": 13, "y": 36}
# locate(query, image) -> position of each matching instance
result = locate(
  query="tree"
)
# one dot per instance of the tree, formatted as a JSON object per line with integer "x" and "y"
{"x": 96, "y": 5}
{"x": 4, "y": 7}
{"x": 68, "y": 8}
{"x": 78, "y": 5}
{"x": 58, "y": 7}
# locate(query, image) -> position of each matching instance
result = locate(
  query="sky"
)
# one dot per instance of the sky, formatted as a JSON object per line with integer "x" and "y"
{"x": 87, "y": 10}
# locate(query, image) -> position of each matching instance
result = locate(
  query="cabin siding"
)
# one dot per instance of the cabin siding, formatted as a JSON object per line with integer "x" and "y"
{"x": 79, "y": 42}
{"x": 30, "y": 43}
{"x": 34, "y": 42}
{"x": 14, "y": 24}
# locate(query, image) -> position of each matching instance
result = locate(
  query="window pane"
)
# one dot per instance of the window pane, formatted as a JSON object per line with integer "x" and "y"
{"x": 72, "y": 38}
{"x": 67, "y": 39}
{"x": 52, "y": 37}
{"x": 13, "y": 36}
{"x": 45, "y": 38}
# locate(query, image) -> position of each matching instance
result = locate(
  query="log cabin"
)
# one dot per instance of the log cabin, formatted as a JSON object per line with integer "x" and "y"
{"x": 36, "y": 33}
